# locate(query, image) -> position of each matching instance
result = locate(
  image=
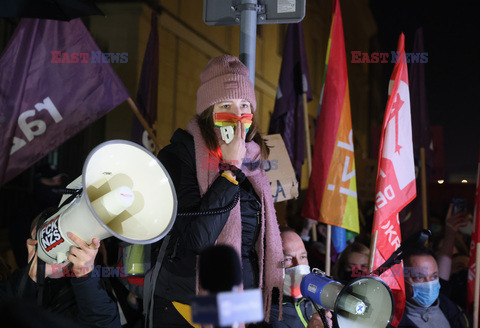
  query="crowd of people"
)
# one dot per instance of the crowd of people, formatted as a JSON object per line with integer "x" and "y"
{"x": 232, "y": 205}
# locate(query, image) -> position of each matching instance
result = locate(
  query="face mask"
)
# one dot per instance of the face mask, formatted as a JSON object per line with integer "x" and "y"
{"x": 425, "y": 293}
{"x": 229, "y": 119}
{"x": 293, "y": 278}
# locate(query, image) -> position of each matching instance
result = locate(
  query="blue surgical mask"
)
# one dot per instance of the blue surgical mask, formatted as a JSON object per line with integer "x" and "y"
{"x": 425, "y": 293}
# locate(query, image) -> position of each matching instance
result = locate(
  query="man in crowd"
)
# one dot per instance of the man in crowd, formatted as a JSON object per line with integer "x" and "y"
{"x": 426, "y": 306}
{"x": 297, "y": 311}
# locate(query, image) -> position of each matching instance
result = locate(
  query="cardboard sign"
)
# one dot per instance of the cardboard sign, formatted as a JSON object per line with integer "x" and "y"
{"x": 279, "y": 169}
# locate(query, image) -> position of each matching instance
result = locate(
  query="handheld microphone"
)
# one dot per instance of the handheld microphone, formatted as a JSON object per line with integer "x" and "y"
{"x": 220, "y": 273}
{"x": 219, "y": 269}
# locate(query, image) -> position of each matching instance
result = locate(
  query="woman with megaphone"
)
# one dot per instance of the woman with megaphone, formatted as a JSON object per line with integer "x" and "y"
{"x": 216, "y": 168}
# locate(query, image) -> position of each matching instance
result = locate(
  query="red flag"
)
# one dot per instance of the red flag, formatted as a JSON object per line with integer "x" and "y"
{"x": 473, "y": 246}
{"x": 395, "y": 186}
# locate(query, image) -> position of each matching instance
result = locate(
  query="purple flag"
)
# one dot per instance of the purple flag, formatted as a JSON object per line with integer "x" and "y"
{"x": 54, "y": 81}
{"x": 422, "y": 136}
{"x": 411, "y": 216}
{"x": 148, "y": 89}
{"x": 287, "y": 118}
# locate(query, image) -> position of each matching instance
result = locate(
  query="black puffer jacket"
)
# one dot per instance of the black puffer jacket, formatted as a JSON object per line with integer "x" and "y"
{"x": 191, "y": 234}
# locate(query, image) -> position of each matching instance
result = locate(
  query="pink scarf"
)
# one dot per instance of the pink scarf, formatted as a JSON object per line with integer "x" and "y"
{"x": 269, "y": 243}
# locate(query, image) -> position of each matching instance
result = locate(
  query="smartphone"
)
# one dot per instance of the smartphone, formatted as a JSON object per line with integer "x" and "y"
{"x": 459, "y": 205}
{"x": 228, "y": 132}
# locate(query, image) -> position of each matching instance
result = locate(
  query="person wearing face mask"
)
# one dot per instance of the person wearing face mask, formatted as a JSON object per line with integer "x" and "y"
{"x": 425, "y": 305}
{"x": 298, "y": 312}
{"x": 210, "y": 171}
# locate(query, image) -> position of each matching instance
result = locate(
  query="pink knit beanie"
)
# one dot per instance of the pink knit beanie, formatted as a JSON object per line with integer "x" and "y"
{"x": 224, "y": 78}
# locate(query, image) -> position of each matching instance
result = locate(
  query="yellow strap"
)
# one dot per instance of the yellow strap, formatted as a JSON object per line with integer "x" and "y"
{"x": 229, "y": 178}
{"x": 186, "y": 312}
{"x": 299, "y": 313}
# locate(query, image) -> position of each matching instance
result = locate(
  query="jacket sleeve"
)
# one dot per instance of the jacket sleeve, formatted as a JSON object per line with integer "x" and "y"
{"x": 95, "y": 307}
{"x": 196, "y": 232}
{"x": 9, "y": 288}
{"x": 457, "y": 317}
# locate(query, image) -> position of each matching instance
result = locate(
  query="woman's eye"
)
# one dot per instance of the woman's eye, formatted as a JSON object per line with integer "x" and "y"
{"x": 245, "y": 106}
{"x": 225, "y": 106}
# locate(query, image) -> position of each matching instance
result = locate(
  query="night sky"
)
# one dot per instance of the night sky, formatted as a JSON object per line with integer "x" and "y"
{"x": 452, "y": 40}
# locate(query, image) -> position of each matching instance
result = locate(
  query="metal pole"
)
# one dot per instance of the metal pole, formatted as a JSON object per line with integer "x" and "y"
{"x": 424, "y": 188}
{"x": 477, "y": 287}
{"x": 373, "y": 246}
{"x": 328, "y": 251}
{"x": 248, "y": 35}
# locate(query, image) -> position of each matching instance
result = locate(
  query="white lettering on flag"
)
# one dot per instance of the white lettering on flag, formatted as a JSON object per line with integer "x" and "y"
{"x": 34, "y": 128}
{"x": 347, "y": 176}
{"x": 348, "y": 146}
{"x": 397, "y": 145}
{"x": 348, "y": 192}
{"x": 392, "y": 235}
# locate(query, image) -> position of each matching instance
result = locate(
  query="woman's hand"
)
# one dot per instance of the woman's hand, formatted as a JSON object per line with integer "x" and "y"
{"x": 234, "y": 152}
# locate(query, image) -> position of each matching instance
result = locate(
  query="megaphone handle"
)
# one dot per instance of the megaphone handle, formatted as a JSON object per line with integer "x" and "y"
{"x": 419, "y": 238}
{"x": 320, "y": 313}
{"x": 395, "y": 258}
{"x": 73, "y": 194}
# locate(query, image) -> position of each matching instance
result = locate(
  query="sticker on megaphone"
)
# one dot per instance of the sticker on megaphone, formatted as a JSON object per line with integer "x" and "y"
{"x": 319, "y": 288}
{"x": 124, "y": 191}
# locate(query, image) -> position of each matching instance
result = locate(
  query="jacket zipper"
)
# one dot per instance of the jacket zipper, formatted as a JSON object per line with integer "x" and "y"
{"x": 254, "y": 256}
{"x": 257, "y": 227}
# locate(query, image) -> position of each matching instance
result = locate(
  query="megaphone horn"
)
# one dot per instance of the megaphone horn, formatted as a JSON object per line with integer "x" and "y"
{"x": 363, "y": 302}
{"x": 126, "y": 193}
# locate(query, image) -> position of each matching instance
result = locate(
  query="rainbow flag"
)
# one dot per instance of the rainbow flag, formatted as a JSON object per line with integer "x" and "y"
{"x": 332, "y": 189}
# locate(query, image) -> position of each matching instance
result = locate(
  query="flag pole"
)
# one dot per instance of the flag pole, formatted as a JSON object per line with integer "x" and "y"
{"x": 424, "y": 188}
{"x": 309, "y": 155}
{"x": 307, "y": 134}
{"x": 476, "y": 301}
{"x": 144, "y": 122}
{"x": 373, "y": 245}
{"x": 328, "y": 250}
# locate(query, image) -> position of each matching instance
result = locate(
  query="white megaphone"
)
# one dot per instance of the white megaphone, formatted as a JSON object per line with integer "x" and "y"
{"x": 361, "y": 303}
{"x": 126, "y": 193}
